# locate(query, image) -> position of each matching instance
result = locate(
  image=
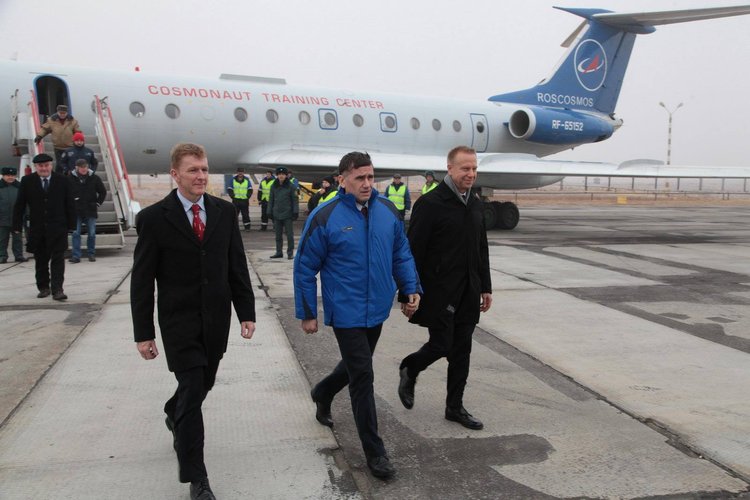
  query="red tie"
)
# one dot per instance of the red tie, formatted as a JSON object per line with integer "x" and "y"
{"x": 198, "y": 226}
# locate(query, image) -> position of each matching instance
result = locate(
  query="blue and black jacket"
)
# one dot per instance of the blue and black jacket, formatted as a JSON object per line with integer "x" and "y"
{"x": 361, "y": 262}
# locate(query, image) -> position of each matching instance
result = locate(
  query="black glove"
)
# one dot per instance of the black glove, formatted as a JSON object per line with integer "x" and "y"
{"x": 37, "y": 139}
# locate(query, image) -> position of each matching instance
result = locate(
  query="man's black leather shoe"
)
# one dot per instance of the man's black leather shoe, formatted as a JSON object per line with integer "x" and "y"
{"x": 59, "y": 295}
{"x": 170, "y": 426}
{"x": 406, "y": 388}
{"x": 381, "y": 467}
{"x": 322, "y": 412}
{"x": 201, "y": 490}
{"x": 21, "y": 259}
{"x": 276, "y": 256}
{"x": 463, "y": 417}
{"x": 43, "y": 293}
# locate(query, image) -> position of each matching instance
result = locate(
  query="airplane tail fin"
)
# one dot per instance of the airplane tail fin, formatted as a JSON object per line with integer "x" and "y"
{"x": 590, "y": 74}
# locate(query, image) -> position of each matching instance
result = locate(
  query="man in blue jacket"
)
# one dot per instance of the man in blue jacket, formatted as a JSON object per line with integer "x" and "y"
{"x": 357, "y": 244}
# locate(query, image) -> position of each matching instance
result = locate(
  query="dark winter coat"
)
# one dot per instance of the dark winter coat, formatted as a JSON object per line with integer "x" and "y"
{"x": 72, "y": 155}
{"x": 197, "y": 281}
{"x": 51, "y": 214}
{"x": 8, "y": 196}
{"x": 88, "y": 193}
{"x": 284, "y": 203}
{"x": 449, "y": 242}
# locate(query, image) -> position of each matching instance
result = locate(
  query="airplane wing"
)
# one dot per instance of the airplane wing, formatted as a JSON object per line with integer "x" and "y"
{"x": 500, "y": 171}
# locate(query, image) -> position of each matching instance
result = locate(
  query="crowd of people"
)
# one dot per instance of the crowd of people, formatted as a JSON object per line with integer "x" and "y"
{"x": 60, "y": 198}
{"x": 354, "y": 239}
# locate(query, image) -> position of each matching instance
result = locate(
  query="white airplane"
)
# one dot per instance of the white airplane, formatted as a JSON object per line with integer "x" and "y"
{"x": 262, "y": 122}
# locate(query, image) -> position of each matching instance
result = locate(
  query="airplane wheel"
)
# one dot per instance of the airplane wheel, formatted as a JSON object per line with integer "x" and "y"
{"x": 490, "y": 215}
{"x": 507, "y": 215}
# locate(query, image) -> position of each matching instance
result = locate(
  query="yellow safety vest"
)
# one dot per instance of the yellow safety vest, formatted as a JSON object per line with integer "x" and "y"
{"x": 329, "y": 196}
{"x": 396, "y": 195}
{"x": 240, "y": 188}
{"x": 429, "y": 187}
{"x": 265, "y": 189}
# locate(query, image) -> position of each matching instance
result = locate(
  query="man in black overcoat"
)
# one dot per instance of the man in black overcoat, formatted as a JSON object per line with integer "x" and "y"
{"x": 47, "y": 196}
{"x": 190, "y": 245}
{"x": 448, "y": 239}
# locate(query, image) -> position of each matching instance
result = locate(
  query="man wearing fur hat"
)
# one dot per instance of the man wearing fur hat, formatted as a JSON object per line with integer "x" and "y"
{"x": 78, "y": 152}
{"x": 62, "y": 126}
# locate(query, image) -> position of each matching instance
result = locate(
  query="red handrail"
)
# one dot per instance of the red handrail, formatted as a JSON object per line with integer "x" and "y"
{"x": 37, "y": 125}
{"x": 121, "y": 163}
{"x": 119, "y": 154}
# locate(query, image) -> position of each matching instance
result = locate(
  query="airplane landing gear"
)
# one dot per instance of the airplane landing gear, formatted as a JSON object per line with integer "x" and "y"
{"x": 500, "y": 215}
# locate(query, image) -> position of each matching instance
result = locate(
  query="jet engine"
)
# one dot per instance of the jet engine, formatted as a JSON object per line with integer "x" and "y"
{"x": 559, "y": 126}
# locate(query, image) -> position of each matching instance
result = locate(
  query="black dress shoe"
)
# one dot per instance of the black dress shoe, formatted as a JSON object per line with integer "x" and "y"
{"x": 170, "y": 426}
{"x": 290, "y": 257}
{"x": 277, "y": 256}
{"x": 381, "y": 467}
{"x": 322, "y": 412}
{"x": 463, "y": 417}
{"x": 406, "y": 388}
{"x": 43, "y": 293}
{"x": 21, "y": 259}
{"x": 201, "y": 490}
{"x": 59, "y": 295}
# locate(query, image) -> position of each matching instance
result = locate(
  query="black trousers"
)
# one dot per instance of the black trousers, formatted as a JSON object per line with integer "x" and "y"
{"x": 281, "y": 226}
{"x": 357, "y": 346}
{"x": 59, "y": 168}
{"x": 452, "y": 341}
{"x": 184, "y": 408}
{"x": 49, "y": 259}
{"x": 264, "y": 214}
{"x": 242, "y": 207}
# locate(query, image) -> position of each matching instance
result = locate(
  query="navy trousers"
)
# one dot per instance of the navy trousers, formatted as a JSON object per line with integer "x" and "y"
{"x": 184, "y": 408}
{"x": 357, "y": 346}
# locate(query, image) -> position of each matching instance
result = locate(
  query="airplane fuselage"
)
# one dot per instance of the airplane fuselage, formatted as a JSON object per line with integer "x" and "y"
{"x": 242, "y": 121}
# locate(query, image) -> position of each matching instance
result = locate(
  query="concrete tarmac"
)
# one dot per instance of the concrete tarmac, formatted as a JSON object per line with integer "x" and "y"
{"x": 614, "y": 363}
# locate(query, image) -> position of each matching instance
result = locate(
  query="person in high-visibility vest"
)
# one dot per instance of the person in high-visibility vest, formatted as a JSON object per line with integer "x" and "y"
{"x": 327, "y": 192}
{"x": 398, "y": 193}
{"x": 430, "y": 182}
{"x": 264, "y": 193}
{"x": 240, "y": 192}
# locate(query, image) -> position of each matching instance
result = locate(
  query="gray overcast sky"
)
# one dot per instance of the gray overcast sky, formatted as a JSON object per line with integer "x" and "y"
{"x": 468, "y": 49}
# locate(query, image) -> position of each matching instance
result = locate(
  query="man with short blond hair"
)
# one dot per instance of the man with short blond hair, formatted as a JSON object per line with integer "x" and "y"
{"x": 449, "y": 241}
{"x": 190, "y": 245}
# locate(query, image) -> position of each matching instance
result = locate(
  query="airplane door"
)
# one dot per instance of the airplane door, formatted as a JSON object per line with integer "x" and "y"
{"x": 50, "y": 92}
{"x": 480, "y": 134}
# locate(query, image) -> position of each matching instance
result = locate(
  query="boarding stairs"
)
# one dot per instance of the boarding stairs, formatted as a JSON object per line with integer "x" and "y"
{"x": 118, "y": 211}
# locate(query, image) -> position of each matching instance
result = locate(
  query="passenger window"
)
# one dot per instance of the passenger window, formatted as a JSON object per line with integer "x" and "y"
{"x": 272, "y": 116}
{"x": 436, "y": 124}
{"x": 172, "y": 111}
{"x": 304, "y": 117}
{"x": 480, "y": 127}
{"x": 388, "y": 122}
{"x": 358, "y": 120}
{"x": 415, "y": 123}
{"x": 240, "y": 114}
{"x": 328, "y": 119}
{"x": 457, "y": 125}
{"x": 137, "y": 109}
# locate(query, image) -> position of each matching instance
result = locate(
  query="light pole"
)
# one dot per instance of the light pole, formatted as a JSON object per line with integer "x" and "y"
{"x": 669, "y": 135}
